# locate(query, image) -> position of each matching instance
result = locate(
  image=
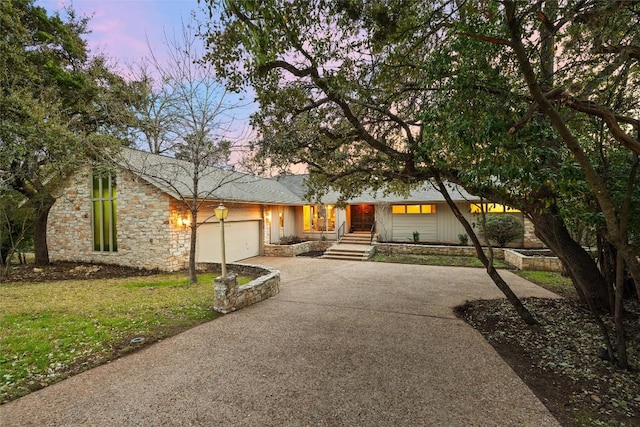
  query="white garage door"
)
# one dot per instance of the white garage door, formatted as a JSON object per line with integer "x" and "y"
{"x": 242, "y": 240}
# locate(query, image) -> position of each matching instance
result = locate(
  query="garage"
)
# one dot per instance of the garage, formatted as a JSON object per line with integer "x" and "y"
{"x": 242, "y": 240}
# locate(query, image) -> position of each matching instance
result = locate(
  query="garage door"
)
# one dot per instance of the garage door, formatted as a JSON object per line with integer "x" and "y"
{"x": 242, "y": 240}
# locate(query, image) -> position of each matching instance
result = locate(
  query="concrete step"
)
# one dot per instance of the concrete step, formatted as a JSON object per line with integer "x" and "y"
{"x": 358, "y": 238}
{"x": 353, "y": 252}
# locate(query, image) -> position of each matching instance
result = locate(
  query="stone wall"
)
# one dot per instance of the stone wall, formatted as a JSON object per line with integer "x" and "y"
{"x": 148, "y": 233}
{"x": 297, "y": 249}
{"x": 523, "y": 262}
{"x": 229, "y": 297}
{"x": 402, "y": 249}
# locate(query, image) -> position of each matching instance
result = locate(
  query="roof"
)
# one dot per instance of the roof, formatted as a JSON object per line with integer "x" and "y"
{"x": 175, "y": 177}
{"x": 426, "y": 193}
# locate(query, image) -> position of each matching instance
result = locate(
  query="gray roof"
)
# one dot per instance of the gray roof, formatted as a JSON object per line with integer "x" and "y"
{"x": 175, "y": 177}
{"x": 425, "y": 193}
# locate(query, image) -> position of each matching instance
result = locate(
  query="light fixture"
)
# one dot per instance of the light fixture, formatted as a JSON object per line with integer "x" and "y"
{"x": 222, "y": 212}
{"x": 184, "y": 222}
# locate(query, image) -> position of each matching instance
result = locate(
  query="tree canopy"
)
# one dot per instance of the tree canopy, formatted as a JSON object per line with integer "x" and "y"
{"x": 58, "y": 104}
{"x": 491, "y": 95}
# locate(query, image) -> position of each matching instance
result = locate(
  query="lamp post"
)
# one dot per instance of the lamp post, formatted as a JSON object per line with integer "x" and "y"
{"x": 222, "y": 212}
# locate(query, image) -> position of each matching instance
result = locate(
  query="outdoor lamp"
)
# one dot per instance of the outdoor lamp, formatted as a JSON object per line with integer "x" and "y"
{"x": 222, "y": 212}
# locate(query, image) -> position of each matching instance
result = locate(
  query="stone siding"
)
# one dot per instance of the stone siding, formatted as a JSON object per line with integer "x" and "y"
{"x": 530, "y": 239}
{"x": 148, "y": 233}
{"x": 403, "y": 249}
{"x": 297, "y": 249}
{"x": 229, "y": 297}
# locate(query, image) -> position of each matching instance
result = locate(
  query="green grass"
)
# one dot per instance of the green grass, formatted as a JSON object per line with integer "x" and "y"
{"x": 447, "y": 260}
{"x": 550, "y": 280}
{"x": 49, "y": 331}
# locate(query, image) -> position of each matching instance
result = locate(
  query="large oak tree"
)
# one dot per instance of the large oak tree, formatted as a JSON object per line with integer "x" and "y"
{"x": 58, "y": 105}
{"x": 376, "y": 93}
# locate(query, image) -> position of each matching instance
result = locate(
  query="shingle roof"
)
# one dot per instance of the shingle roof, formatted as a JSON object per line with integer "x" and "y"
{"x": 426, "y": 193}
{"x": 174, "y": 177}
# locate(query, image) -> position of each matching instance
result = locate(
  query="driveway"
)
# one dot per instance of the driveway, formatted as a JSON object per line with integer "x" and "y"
{"x": 344, "y": 343}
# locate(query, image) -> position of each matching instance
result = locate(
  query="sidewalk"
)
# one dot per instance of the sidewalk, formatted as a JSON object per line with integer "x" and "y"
{"x": 344, "y": 343}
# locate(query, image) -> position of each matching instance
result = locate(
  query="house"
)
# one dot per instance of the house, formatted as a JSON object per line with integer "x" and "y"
{"x": 133, "y": 214}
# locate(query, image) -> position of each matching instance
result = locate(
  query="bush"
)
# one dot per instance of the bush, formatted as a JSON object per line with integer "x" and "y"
{"x": 502, "y": 229}
{"x": 463, "y": 239}
{"x": 290, "y": 240}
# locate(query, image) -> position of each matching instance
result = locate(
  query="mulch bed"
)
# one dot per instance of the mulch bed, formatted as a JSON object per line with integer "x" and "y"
{"x": 561, "y": 359}
{"x": 71, "y": 271}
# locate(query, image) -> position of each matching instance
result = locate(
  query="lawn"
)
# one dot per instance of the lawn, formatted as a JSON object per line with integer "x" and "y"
{"x": 51, "y": 330}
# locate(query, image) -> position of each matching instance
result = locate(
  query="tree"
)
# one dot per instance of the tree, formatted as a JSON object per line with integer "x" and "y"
{"x": 188, "y": 113}
{"x": 382, "y": 92}
{"x": 330, "y": 95}
{"x": 56, "y": 104}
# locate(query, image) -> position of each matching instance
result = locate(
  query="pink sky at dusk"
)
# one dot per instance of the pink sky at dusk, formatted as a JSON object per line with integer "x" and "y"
{"x": 120, "y": 28}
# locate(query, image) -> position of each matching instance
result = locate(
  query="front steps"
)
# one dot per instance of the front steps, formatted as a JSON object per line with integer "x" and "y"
{"x": 352, "y": 247}
{"x": 349, "y": 252}
{"x": 358, "y": 238}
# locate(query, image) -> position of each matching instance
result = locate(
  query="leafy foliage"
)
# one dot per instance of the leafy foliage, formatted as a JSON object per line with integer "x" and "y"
{"x": 502, "y": 228}
{"x": 59, "y": 106}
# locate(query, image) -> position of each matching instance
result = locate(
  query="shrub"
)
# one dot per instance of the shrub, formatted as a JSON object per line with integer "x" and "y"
{"x": 416, "y": 236}
{"x": 502, "y": 229}
{"x": 463, "y": 239}
{"x": 290, "y": 240}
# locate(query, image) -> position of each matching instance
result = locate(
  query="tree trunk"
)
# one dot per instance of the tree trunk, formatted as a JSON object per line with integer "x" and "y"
{"x": 621, "y": 347}
{"x": 522, "y": 311}
{"x": 193, "y": 277}
{"x": 41, "y": 250}
{"x": 590, "y": 284}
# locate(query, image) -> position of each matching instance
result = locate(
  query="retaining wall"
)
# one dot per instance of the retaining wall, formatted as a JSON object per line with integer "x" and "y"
{"x": 523, "y": 262}
{"x": 403, "y": 249}
{"x": 297, "y": 249}
{"x": 228, "y": 296}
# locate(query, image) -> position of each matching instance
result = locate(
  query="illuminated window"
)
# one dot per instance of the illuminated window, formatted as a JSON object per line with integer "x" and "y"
{"x": 104, "y": 213}
{"x": 413, "y": 209}
{"x": 398, "y": 209}
{"x": 492, "y": 208}
{"x": 319, "y": 217}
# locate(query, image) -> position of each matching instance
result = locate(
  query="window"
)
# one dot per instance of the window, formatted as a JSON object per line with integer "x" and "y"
{"x": 319, "y": 217}
{"x": 413, "y": 209}
{"x": 492, "y": 208}
{"x": 104, "y": 213}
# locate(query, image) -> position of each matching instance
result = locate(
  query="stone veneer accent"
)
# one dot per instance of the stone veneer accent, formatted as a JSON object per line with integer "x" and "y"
{"x": 297, "y": 249}
{"x": 228, "y": 296}
{"x": 530, "y": 239}
{"x": 147, "y": 230}
{"x": 403, "y": 249}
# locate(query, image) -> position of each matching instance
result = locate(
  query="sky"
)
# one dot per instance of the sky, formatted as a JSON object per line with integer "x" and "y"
{"x": 120, "y": 28}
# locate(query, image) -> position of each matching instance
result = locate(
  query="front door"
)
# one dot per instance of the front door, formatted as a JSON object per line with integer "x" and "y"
{"x": 362, "y": 217}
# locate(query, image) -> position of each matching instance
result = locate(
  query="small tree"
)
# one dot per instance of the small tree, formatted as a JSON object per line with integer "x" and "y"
{"x": 188, "y": 114}
{"x": 502, "y": 229}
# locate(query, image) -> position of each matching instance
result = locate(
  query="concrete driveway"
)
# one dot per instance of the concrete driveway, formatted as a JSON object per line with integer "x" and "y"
{"x": 343, "y": 344}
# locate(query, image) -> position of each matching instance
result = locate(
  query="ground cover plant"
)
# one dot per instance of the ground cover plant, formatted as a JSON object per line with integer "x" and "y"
{"x": 450, "y": 260}
{"x": 50, "y": 330}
